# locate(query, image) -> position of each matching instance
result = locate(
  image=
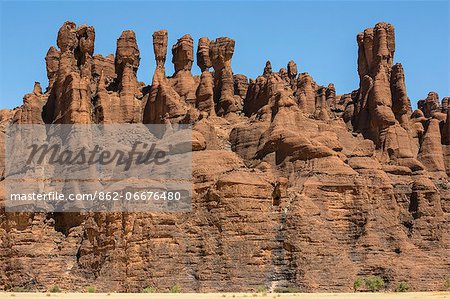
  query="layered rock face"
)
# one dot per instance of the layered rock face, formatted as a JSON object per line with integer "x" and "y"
{"x": 294, "y": 185}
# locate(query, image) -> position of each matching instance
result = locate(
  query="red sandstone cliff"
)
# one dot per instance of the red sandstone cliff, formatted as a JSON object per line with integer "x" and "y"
{"x": 293, "y": 184}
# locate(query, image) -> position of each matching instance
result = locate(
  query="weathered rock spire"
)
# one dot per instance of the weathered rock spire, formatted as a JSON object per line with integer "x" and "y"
{"x": 220, "y": 52}
{"x": 205, "y": 91}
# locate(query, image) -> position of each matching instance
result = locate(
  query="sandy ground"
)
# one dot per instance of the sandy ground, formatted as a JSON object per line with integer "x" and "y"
{"x": 431, "y": 295}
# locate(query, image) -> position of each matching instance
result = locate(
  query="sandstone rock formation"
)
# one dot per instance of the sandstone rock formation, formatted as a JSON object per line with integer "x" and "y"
{"x": 431, "y": 153}
{"x": 292, "y": 74}
{"x": 267, "y": 69}
{"x": 52, "y": 63}
{"x": 163, "y": 103}
{"x": 293, "y": 185}
{"x": 430, "y": 105}
{"x": 240, "y": 85}
{"x": 126, "y": 65}
{"x": 69, "y": 83}
{"x": 182, "y": 57}
{"x": 220, "y": 52}
{"x": 205, "y": 92}
{"x": 306, "y": 93}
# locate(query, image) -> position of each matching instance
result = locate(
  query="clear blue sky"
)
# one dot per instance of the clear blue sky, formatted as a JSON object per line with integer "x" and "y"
{"x": 318, "y": 36}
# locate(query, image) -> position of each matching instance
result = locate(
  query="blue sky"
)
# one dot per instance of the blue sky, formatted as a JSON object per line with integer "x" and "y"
{"x": 319, "y": 36}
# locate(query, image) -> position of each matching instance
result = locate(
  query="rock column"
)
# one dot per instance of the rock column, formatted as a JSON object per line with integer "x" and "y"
{"x": 205, "y": 91}
{"x": 221, "y": 51}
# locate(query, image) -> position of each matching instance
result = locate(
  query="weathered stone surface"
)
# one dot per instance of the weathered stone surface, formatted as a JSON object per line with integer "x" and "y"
{"x": 67, "y": 37}
{"x": 284, "y": 75}
{"x": 164, "y": 104}
{"x": 257, "y": 96}
{"x": 86, "y": 39}
{"x": 182, "y": 81}
{"x": 322, "y": 107}
{"x": 183, "y": 53}
{"x": 205, "y": 93}
{"x": 31, "y": 110}
{"x": 127, "y": 52}
{"x": 446, "y": 129}
{"x": 431, "y": 154}
{"x": 382, "y": 110}
{"x": 330, "y": 93}
{"x": 375, "y": 58}
{"x": 446, "y": 138}
{"x": 401, "y": 106}
{"x": 160, "y": 47}
{"x": 306, "y": 93}
{"x": 292, "y": 74}
{"x": 126, "y": 65}
{"x": 267, "y": 69}
{"x": 118, "y": 90}
{"x": 445, "y": 103}
{"x": 105, "y": 65}
{"x": 76, "y": 92}
{"x": 240, "y": 85}
{"x": 220, "y": 52}
{"x": 73, "y": 71}
{"x": 430, "y": 105}
{"x": 52, "y": 63}
{"x": 203, "y": 60}
{"x": 305, "y": 189}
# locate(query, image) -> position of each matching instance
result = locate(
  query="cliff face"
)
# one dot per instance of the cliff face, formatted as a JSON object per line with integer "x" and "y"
{"x": 293, "y": 184}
